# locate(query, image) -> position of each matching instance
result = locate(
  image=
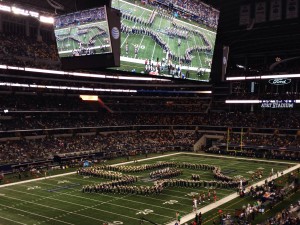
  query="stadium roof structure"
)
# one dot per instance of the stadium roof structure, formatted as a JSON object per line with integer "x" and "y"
{"x": 71, "y": 5}
{"x": 46, "y": 5}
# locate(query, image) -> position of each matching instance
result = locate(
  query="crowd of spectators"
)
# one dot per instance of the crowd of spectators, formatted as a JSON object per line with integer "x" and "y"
{"x": 43, "y": 103}
{"x": 288, "y": 216}
{"x": 82, "y": 17}
{"x": 274, "y": 140}
{"x": 266, "y": 196}
{"x": 278, "y": 119}
{"x": 26, "y": 150}
{"x": 251, "y": 120}
{"x": 281, "y": 154}
{"x": 27, "y": 52}
{"x": 62, "y": 103}
{"x": 202, "y": 13}
{"x": 243, "y": 94}
{"x": 264, "y": 69}
{"x": 26, "y": 47}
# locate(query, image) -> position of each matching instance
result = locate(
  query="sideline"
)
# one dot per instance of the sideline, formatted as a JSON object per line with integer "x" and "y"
{"x": 71, "y": 173}
{"x": 188, "y": 24}
{"x": 142, "y": 61}
{"x": 146, "y": 159}
{"x": 203, "y": 210}
{"x": 209, "y": 207}
{"x": 232, "y": 157}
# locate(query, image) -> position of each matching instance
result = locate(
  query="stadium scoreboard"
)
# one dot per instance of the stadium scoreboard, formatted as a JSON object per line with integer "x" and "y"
{"x": 89, "y": 39}
{"x": 83, "y": 33}
{"x": 167, "y": 41}
{"x": 151, "y": 38}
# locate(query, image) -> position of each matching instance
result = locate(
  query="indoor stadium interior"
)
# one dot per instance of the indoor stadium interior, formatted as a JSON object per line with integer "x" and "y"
{"x": 140, "y": 112}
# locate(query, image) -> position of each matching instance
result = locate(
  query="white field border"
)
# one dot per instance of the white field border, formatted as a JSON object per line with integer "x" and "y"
{"x": 14, "y": 221}
{"x": 150, "y": 158}
{"x": 222, "y": 201}
{"x": 70, "y": 173}
{"x": 86, "y": 25}
{"x": 188, "y": 24}
{"x": 203, "y": 210}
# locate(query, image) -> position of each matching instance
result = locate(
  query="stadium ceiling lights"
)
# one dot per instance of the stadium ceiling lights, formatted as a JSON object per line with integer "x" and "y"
{"x": 45, "y": 19}
{"x": 90, "y": 75}
{"x": 264, "y": 77}
{"x": 7, "y": 84}
{"x": 89, "y": 97}
{"x": 243, "y": 101}
{"x": 252, "y": 101}
{"x": 5, "y": 8}
{"x": 24, "y": 12}
{"x": 203, "y": 92}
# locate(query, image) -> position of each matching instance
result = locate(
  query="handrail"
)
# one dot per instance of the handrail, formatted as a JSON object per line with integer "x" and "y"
{"x": 149, "y": 127}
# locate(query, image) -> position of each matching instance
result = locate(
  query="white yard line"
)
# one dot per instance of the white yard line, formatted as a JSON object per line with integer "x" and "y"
{"x": 178, "y": 203}
{"x": 153, "y": 51}
{"x": 203, "y": 45}
{"x": 91, "y": 207}
{"x": 70, "y": 173}
{"x": 143, "y": 8}
{"x": 195, "y": 190}
{"x": 211, "y": 41}
{"x": 141, "y": 61}
{"x": 178, "y": 52}
{"x": 124, "y": 40}
{"x": 187, "y": 217}
{"x": 188, "y": 24}
{"x": 157, "y": 199}
{"x": 46, "y": 217}
{"x": 94, "y": 33}
{"x": 147, "y": 159}
{"x": 69, "y": 212}
{"x": 140, "y": 45}
{"x": 230, "y": 197}
{"x": 128, "y": 34}
{"x": 155, "y": 41}
{"x": 240, "y": 158}
{"x": 96, "y": 47}
{"x": 87, "y": 25}
{"x": 12, "y": 220}
{"x": 116, "y": 198}
{"x": 170, "y": 24}
{"x": 119, "y": 8}
{"x": 197, "y": 51}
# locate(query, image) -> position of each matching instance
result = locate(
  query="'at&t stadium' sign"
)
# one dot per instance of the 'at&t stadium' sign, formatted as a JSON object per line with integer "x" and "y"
{"x": 279, "y": 81}
{"x": 277, "y": 104}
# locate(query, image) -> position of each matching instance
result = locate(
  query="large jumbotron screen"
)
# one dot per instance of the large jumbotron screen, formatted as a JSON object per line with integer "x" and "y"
{"x": 83, "y": 33}
{"x": 167, "y": 37}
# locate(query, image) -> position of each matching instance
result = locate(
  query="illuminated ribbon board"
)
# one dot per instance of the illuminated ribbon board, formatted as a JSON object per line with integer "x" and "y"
{"x": 25, "y": 12}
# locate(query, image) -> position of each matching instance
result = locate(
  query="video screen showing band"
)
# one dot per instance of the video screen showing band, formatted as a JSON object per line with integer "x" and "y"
{"x": 83, "y": 33}
{"x": 167, "y": 37}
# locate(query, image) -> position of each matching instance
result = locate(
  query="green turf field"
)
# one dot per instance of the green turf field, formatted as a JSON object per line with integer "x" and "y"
{"x": 139, "y": 68}
{"x": 33, "y": 203}
{"x": 238, "y": 203}
{"x": 149, "y": 49}
{"x": 70, "y": 38}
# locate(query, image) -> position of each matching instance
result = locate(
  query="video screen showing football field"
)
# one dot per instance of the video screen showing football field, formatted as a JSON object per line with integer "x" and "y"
{"x": 83, "y": 33}
{"x": 154, "y": 40}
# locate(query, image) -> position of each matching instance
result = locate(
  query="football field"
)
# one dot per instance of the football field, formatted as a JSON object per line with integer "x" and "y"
{"x": 149, "y": 49}
{"x": 59, "y": 200}
{"x": 93, "y": 35}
